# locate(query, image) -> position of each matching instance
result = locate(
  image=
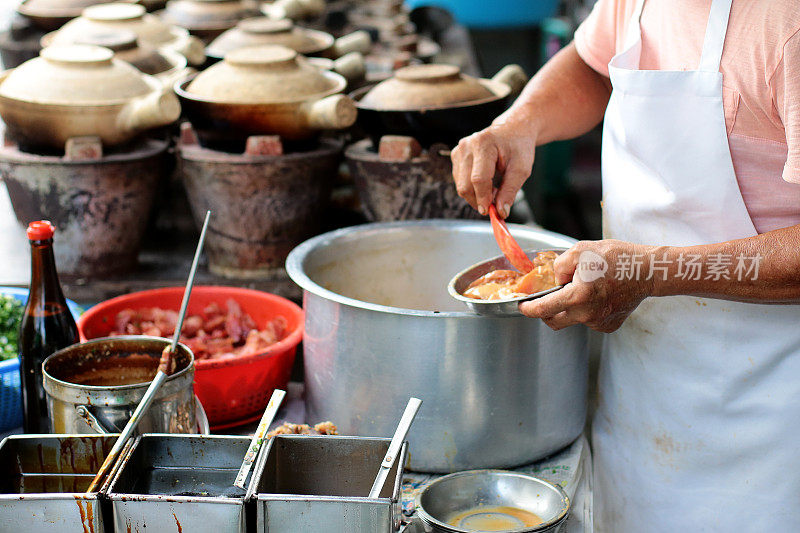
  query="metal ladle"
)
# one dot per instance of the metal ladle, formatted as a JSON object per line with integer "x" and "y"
{"x": 258, "y": 436}
{"x": 395, "y": 445}
{"x": 164, "y": 369}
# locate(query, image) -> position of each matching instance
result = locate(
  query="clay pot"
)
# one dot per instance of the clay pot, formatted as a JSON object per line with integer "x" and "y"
{"x": 263, "y": 30}
{"x": 80, "y": 90}
{"x": 50, "y": 15}
{"x": 149, "y": 30}
{"x": 267, "y": 90}
{"x": 206, "y": 18}
{"x": 263, "y": 205}
{"x": 435, "y": 103}
{"x": 99, "y": 205}
{"x": 165, "y": 65}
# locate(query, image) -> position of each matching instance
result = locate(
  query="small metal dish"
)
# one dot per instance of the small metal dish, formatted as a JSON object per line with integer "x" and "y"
{"x": 465, "y": 491}
{"x": 507, "y": 307}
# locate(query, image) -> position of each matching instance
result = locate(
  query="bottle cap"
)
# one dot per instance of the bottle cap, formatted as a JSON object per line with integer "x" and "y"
{"x": 40, "y": 230}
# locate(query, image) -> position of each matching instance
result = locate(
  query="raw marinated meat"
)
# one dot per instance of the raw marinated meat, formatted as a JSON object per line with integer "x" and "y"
{"x": 216, "y": 333}
{"x": 505, "y": 284}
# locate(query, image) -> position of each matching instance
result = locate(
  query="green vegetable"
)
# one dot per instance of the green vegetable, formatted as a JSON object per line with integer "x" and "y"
{"x": 11, "y": 311}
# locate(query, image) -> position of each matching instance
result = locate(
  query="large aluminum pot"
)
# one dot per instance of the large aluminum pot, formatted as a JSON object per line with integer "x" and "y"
{"x": 380, "y": 327}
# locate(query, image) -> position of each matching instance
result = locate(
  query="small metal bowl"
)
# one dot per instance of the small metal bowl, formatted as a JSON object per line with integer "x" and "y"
{"x": 464, "y": 491}
{"x": 507, "y": 307}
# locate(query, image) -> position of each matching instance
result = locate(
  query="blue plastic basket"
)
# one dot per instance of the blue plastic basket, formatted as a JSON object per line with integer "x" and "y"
{"x": 10, "y": 389}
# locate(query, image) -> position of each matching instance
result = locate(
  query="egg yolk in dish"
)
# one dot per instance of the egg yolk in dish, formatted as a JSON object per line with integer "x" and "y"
{"x": 505, "y": 284}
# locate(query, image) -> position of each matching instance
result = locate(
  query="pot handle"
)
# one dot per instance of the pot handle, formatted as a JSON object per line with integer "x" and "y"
{"x": 513, "y": 76}
{"x": 351, "y": 66}
{"x": 168, "y": 80}
{"x": 335, "y": 112}
{"x": 358, "y": 41}
{"x": 83, "y": 413}
{"x": 158, "y": 108}
{"x": 201, "y": 417}
{"x": 189, "y": 47}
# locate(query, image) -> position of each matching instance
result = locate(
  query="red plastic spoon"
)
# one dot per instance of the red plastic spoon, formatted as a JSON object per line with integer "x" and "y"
{"x": 510, "y": 248}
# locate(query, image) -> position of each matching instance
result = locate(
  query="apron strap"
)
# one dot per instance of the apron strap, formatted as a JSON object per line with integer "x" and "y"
{"x": 634, "y": 26}
{"x": 715, "y": 35}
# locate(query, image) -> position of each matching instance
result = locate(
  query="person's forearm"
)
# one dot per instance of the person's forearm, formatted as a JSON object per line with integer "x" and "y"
{"x": 760, "y": 269}
{"x": 565, "y": 99}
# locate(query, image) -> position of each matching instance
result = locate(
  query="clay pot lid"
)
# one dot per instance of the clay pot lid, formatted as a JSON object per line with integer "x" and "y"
{"x": 264, "y": 74}
{"x": 426, "y": 87}
{"x": 66, "y": 8}
{"x": 257, "y": 31}
{"x": 75, "y": 75}
{"x": 116, "y": 41}
{"x": 78, "y": 55}
{"x": 149, "y": 29}
{"x": 126, "y": 47}
{"x": 114, "y": 12}
{"x": 202, "y": 14}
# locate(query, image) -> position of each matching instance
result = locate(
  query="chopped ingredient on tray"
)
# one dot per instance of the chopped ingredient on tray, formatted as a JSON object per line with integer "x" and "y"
{"x": 504, "y": 284}
{"x": 323, "y": 428}
{"x": 214, "y": 334}
{"x": 10, "y": 316}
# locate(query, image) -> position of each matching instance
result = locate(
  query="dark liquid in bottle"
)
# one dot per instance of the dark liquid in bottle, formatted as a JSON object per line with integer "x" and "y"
{"x": 41, "y": 334}
{"x": 47, "y": 326}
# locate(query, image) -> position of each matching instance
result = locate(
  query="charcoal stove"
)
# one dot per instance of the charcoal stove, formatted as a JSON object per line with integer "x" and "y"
{"x": 266, "y": 199}
{"x": 99, "y": 201}
{"x": 403, "y": 181}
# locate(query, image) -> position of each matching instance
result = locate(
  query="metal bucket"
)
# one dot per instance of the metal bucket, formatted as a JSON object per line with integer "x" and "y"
{"x": 43, "y": 479}
{"x": 77, "y": 406}
{"x": 169, "y": 483}
{"x": 307, "y": 484}
{"x": 380, "y": 327}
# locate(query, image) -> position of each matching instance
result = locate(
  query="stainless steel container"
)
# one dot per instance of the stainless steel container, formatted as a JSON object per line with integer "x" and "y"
{"x": 169, "y": 483}
{"x": 43, "y": 479}
{"x": 380, "y": 327}
{"x": 471, "y": 501}
{"x": 77, "y": 407}
{"x": 320, "y": 484}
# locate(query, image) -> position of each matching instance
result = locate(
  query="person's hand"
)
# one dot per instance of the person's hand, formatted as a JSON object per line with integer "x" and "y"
{"x": 592, "y": 297}
{"x": 501, "y": 148}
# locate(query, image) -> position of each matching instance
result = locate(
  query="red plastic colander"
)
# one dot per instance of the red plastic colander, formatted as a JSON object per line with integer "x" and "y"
{"x": 232, "y": 390}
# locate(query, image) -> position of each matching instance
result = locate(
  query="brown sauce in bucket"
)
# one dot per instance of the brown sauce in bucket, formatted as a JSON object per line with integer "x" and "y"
{"x": 110, "y": 368}
{"x": 494, "y": 519}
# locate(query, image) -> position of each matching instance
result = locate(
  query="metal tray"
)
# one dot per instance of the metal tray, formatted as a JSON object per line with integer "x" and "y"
{"x": 43, "y": 479}
{"x": 305, "y": 484}
{"x": 169, "y": 483}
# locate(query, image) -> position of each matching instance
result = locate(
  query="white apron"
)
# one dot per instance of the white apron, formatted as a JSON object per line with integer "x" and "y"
{"x": 698, "y": 422}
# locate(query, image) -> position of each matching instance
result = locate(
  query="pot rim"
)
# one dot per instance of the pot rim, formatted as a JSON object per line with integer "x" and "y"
{"x": 544, "y": 526}
{"x": 189, "y": 369}
{"x": 297, "y": 257}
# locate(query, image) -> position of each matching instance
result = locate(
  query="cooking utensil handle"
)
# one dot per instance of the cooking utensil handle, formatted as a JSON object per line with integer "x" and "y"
{"x": 161, "y": 375}
{"x": 508, "y": 245}
{"x": 187, "y": 293}
{"x": 258, "y": 436}
{"x": 394, "y": 446}
{"x": 130, "y": 427}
